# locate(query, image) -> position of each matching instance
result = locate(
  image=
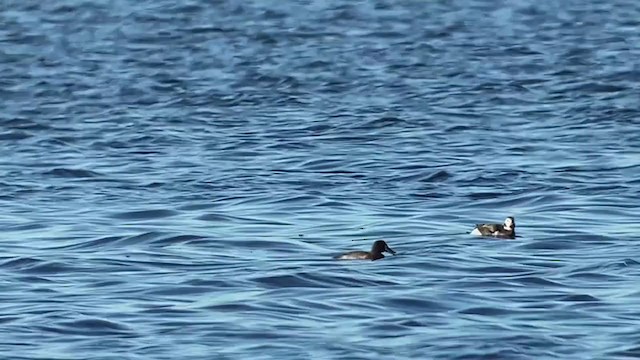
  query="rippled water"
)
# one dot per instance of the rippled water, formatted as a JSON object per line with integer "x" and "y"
{"x": 176, "y": 177}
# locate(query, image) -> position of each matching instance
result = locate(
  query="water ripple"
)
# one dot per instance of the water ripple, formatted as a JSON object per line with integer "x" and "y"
{"x": 178, "y": 176}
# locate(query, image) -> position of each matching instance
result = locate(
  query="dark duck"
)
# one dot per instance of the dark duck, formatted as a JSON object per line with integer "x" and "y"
{"x": 377, "y": 249}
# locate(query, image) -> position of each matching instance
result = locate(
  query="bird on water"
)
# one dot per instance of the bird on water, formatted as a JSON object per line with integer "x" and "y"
{"x": 506, "y": 230}
{"x": 377, "y": 249}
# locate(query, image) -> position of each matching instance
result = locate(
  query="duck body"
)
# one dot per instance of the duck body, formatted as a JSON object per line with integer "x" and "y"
{"x": 506, "y": 230}
{"x": 377, "y": 249}
{"x": 359, "y": 255}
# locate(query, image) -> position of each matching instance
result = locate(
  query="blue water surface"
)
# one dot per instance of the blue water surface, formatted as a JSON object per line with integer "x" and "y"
{"x": 176, "y": 176}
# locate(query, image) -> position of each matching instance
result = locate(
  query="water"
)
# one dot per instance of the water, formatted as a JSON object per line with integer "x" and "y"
{"x": 176, "y": 177}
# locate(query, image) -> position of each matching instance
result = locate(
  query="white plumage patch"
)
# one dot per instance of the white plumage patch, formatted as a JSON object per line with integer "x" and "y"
{"x": 476, "y": 232}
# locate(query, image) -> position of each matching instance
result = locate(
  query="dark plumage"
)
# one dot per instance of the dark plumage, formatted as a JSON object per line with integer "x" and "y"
{"x": 377, "y": 249}
{"x": 506, "y": 230}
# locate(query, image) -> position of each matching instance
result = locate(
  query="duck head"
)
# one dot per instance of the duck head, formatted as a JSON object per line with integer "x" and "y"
{"x": 381, "y": 246}
{"x": 510, "y": 223}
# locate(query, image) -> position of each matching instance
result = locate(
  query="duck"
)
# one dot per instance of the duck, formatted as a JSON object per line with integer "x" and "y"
{"x": 379, "y": 246}
{"x": 506, "y": 230}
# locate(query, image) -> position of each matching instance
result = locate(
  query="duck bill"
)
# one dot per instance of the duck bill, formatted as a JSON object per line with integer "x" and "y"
{"x": 389, "y": 250}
